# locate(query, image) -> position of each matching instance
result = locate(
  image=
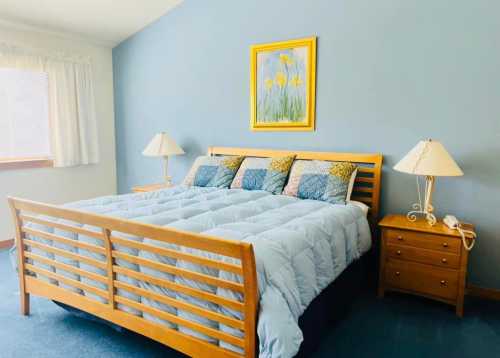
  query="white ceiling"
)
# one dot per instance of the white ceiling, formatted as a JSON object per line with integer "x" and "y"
{"x": 105, "y": 21}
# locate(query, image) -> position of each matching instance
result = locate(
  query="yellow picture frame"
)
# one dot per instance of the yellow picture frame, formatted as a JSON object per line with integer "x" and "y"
{"x": 283, "y": 98}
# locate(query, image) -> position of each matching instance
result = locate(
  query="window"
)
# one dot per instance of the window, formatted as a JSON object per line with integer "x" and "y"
{"x": 24, "y": 117}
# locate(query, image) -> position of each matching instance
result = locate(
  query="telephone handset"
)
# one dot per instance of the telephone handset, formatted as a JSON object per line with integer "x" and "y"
{"x": 453, "y": 223}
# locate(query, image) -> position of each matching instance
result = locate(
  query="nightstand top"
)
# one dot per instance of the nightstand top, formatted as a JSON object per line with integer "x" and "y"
{"x": 150, "y": 187}
{"x": 421, "y": 225}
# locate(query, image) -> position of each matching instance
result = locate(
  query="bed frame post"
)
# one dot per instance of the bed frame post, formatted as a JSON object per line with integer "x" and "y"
{"x": 23, "y": 295}
{"x": 251, "y": 299}
{"x": 377, "y": 178}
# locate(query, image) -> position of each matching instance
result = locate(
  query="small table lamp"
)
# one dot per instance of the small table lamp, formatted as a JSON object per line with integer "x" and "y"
{"x": 162, "y": 146}
{"x": 428, "y": 158}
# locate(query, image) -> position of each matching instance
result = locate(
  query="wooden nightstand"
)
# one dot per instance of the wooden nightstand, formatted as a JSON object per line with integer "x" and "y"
{"x": 150, "y": 187}
{"x": 425, "y": 260}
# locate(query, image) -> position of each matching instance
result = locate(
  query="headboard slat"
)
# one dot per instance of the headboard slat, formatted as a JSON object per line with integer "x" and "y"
{"x": 367, "y": 185}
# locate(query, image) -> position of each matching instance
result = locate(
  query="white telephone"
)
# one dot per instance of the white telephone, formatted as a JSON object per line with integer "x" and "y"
{"x": 453, "y": 223}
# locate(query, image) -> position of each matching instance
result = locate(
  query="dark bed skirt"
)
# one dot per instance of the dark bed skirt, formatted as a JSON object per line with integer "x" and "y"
{"x": 333, "y": 304}
{"x": 330, "y": 306}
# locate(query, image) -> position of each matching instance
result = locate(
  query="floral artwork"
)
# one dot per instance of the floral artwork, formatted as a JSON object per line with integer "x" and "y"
{"x": 283, "y": 83}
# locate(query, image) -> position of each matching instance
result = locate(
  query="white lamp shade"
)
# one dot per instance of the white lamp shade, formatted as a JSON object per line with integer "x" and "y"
{"x": 429, "y": 158}
{"x": 161, "y": 146}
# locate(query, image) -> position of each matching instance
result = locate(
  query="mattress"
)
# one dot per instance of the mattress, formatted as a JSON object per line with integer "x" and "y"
{"x": 300, "y": 247}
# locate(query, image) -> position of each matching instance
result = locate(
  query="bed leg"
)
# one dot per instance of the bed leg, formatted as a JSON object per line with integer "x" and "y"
{"x": 23, "y": 295}
{"x": 25, "y": 304}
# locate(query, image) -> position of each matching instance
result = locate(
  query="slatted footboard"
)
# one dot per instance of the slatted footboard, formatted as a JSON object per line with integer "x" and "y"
{"x": 99, "y": 275}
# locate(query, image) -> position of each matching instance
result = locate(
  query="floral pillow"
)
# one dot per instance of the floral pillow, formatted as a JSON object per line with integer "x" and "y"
{"x": 320, "y": 180}
{"x": 263, "y": 174}
{"x": 213, "y": 171}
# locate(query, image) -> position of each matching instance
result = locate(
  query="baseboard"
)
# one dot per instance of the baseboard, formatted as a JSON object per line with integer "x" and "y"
{"x": 6, "y": 244}
{"x": 487, "y": 293}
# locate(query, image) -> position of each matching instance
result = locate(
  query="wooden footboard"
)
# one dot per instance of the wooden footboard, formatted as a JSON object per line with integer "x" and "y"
{"x": 40, "y": 274}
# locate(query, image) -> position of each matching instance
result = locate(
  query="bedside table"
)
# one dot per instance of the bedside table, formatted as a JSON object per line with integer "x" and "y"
{"x": 425, "y": 260}
{"x": 150, "y": 187}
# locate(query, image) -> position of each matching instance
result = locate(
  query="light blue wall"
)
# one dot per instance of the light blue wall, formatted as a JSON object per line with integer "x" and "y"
{"x": 390, "y": 73}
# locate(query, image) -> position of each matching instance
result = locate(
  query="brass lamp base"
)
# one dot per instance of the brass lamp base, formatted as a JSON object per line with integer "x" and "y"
{"x": 412, "y": 216}
{"x": 426, "y": 209}
{"x": 168, "y": 179}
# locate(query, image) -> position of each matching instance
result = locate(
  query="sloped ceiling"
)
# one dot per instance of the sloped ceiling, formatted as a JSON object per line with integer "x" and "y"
{"x": 107, "y": 22}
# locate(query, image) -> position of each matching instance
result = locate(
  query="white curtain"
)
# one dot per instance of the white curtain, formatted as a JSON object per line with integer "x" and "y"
{"x": 73, "y": 123}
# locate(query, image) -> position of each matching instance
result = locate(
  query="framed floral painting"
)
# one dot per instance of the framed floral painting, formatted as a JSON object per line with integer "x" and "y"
{"x": 283, "y": 84}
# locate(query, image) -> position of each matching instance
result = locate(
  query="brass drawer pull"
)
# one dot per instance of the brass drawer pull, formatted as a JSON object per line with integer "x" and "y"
{"x": 443, "y": 283}
{"x": 398, "y": 252}
{"x": 445, "y": 244}
{"x": 400, "y": 238}
{"x": 398, "y": 273}
{"x": 444, "y": 261}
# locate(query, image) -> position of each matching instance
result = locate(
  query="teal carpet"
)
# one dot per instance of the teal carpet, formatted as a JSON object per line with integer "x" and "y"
{"x": 397, "y": 326}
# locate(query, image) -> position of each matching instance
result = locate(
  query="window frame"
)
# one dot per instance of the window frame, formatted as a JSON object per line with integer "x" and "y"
{"x": 26, "y": 163}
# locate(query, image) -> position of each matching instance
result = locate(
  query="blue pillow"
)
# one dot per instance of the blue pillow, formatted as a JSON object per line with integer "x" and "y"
{"x": 320, "y": 180}
{"x": 213, "y": 171}
{"x": 267, "y": 174}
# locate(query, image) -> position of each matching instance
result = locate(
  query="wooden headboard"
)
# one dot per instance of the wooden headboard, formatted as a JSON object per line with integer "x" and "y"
{"x": 366, "y": 187}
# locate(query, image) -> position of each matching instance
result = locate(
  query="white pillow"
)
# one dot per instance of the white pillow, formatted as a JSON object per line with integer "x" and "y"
{"x": 351, "y": 184}
{"x": 361, "y": 205}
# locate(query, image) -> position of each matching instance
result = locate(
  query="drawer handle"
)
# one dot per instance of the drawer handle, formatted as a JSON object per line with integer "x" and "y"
{"x": 445, "y": 244}
{"x": 400, "y": 238}
{"x": 398, "y": 252}
{"x": 444, "y": 261}
{"x": 443, "y": 283}
{"x": 398, "y": 273}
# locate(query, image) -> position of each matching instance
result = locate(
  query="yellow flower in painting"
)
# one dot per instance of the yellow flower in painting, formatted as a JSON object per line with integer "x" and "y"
{"x": 285, "y": 59}
{"x": 296, "y": 81}
{"x": 269, "y": 83}
{"x": 280, "y": 79}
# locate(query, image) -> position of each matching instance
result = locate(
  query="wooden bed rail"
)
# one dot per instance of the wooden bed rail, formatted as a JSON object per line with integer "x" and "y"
{"x": 86, "y": 274}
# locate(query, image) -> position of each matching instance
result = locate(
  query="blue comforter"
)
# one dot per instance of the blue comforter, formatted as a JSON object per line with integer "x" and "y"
{"x": 300, "y": 246}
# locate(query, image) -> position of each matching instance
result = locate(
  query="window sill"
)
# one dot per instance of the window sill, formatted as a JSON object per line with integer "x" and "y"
{"x": 26, "y": 163}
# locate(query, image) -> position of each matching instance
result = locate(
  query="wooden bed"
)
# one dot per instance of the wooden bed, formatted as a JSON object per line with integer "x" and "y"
{"x": 367, "y": 190}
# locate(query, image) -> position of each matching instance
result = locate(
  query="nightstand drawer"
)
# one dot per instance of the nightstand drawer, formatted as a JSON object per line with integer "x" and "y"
{"x": 423, "y": 240}
{"x": 423, "y": 279}
{"x": 437, "y": 258}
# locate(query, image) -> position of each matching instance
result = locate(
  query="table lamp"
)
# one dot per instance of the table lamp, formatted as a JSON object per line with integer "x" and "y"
{"x": 430, "y": 159}
{"x": 163, "y": 146}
